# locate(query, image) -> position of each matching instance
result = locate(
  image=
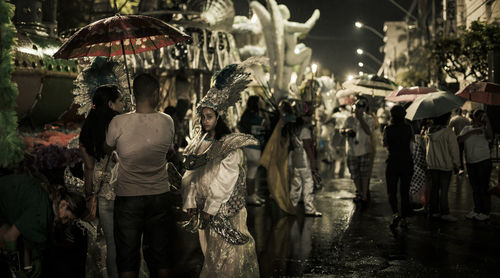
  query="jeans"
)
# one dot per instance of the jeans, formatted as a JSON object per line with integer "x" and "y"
{"x": 149, "y": 217}
{"x": 439, "y": 191}
{"x": 393, "y": 174}
{"x": 106, "y": 220}
{"x": 479, "y": 178}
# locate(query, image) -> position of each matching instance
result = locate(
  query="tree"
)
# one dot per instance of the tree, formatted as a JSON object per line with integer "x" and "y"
{"x": 465, "y": 56}
{"x": 11, "y": 145}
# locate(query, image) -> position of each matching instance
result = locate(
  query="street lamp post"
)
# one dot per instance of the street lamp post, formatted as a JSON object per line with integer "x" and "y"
{"x": 361, "y": 52}
{"x": 360, "y": 25}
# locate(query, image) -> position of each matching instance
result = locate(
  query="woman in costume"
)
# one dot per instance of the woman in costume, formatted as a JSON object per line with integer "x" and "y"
{"x": 106, "y": 103}
{"x": 214, "y": 182}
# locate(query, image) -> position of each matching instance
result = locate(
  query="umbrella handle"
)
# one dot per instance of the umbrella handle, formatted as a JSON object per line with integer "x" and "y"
{"x": 126, "y": 69}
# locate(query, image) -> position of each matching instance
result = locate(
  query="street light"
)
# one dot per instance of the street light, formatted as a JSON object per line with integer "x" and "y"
{"x": 360, "y": 25}
{"x": 362, "y": 65}
{"x": 361, "y": 52}
{"x": 314, "y": 68}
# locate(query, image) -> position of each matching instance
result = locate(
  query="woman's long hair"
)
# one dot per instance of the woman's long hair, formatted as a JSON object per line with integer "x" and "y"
{"x": 221, "y": 127}
{"x": 94, "y": 128}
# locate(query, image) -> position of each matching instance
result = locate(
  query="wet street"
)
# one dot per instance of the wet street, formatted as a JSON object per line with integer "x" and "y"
{"x": 350, "y": 241}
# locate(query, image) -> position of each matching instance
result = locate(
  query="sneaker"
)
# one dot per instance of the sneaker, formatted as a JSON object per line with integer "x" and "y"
{"x": 314, "y": 214}
{"x": 482, "y": 217}
{"x": 449, "y": 218}
{"x": 471, "y": 215}
{"x": 253, "y": 201}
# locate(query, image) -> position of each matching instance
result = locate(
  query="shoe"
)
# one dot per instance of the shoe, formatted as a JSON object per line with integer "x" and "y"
{"x": 460, "y": 172}
{"x": 253, "y": 201}
{"x": 314, "y": 214}
{"x": 482, "y": 217}
{"x": 260, "y": 199}
{"x": 471, "y": 215}
{"x": 403, "y": 223}
{"x": 395, "y": 221}
{"x": 448, "y": 218}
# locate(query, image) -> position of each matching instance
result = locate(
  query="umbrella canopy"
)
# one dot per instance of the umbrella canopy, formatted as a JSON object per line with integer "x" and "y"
{"x": 369, "y": 84}
{"x": 433, "y": 105}
{"x": 409, "y": 94}
{"x": 118, "y": 35}
{"x": 482, "y": 92}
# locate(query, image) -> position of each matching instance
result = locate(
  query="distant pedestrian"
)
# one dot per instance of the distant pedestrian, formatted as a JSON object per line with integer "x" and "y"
{"x": 476, "y": 139}
{"x": 252, "y": 123}
{"x": 397, "y": 138}
{"x": 457, "y": 123}
{"x": 442, "y": 159}
{"x": 358, "y": 129}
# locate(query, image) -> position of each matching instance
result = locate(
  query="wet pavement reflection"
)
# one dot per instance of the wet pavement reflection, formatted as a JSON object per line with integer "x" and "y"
{"x": 354, "y": 241}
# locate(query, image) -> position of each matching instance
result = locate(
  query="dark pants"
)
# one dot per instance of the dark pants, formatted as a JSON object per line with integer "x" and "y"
{"x": 395, "y": 172}
{"x": 440, "y": 181}
{"x": 479, "y": 178}
{"x": 151, "y": 218}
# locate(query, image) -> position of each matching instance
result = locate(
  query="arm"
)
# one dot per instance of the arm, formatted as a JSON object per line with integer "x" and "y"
{"x": 303, "y": 27}
{"x": 454, "y": 151}
{"x": 89, "y": 163}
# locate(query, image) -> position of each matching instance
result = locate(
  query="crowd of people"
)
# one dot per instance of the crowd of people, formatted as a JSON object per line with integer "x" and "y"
{"x": 131, "y": 191}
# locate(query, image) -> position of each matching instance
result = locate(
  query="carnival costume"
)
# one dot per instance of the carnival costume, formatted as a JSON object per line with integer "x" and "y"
{"x": 215, "y": 183}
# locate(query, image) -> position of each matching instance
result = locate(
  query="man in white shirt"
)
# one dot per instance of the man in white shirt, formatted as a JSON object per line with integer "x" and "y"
{"x": 142, "y": 206}
{"x": 358, "y": 129}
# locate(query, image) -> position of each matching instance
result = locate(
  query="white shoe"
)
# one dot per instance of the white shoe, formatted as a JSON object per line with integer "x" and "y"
{"x": 471, "y": 215}
{"x": 449, "y": 218}
{"x": 482, "y": 217}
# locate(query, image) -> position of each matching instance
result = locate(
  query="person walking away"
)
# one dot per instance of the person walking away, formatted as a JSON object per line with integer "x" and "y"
{"x": 442, "y": 159}
{"x": 142, "y": 206}
{"x": 457, "y": 123}
{"x": 252, "y": 123}
{"x": 476, "y": 139}
{"x": 399, "y": 167}
{"x": 304, "y": 167}
{"x": 358, "y": 129}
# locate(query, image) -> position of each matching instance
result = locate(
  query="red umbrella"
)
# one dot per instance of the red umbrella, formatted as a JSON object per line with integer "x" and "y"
{"x": 120, "y": 35}
{"x": 409, "y": 94}
{"x": 482, "y": 92}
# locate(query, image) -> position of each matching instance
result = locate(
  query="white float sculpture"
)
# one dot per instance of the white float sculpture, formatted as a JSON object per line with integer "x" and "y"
{"x": 281, "y": 41}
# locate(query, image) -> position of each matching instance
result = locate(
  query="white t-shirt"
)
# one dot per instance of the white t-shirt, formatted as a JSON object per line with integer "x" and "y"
{"x": 361, "y": 144}
{"x": 477, "y": 147}
{"x": 142, "y": 141}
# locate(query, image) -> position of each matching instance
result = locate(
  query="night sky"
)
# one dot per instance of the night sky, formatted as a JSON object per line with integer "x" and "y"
{"x": 334, "y": 39}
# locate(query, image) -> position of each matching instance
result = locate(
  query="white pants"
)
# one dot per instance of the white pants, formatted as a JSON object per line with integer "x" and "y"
{"x": 303, "y": 184}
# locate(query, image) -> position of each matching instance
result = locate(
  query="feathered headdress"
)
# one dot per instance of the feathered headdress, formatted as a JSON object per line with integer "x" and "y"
{"x": 102, "y": 71}
{"x": 227, "y": 85}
